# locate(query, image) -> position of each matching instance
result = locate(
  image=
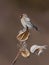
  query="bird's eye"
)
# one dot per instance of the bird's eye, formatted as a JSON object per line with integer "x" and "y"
{"x": 20, "y": 16}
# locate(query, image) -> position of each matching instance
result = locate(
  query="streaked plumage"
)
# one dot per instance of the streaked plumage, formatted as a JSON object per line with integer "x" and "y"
{"x": 23, "y": 35}
{"x": 25, "y": 21}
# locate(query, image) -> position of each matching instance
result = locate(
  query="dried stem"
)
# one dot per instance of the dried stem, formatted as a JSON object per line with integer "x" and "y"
{"x": 13, "y": 62}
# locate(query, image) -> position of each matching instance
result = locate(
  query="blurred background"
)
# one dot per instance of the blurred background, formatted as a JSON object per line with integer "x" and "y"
{"x": 10, "y": 11}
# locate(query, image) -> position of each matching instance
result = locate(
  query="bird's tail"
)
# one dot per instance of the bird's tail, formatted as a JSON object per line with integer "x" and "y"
{"x": 34, "y": 26}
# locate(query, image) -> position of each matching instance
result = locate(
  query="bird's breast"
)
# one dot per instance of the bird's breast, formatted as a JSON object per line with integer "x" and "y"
{"x": 23, "y": 22}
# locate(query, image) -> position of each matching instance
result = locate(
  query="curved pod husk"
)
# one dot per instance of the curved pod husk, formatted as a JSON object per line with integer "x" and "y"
{"x": 23, "y": 36}
{"x": 25, "y": 53}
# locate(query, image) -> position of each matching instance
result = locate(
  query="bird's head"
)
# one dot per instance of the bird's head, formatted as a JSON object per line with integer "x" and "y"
{"x": 23, "y": 15}
{"x": 20, "y": 17}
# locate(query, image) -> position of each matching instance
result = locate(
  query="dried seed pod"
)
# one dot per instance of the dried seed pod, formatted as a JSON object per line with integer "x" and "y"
{"x": 23, "y": 35}
{"x": 25, "y": 53}
{"x": 37, "y": 49}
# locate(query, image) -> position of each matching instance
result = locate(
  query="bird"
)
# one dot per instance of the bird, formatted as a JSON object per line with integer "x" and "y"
{"x": 26, "y": 22}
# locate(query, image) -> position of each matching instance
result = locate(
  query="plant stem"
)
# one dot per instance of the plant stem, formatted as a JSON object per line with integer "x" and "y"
{"x": 13, "y": 62}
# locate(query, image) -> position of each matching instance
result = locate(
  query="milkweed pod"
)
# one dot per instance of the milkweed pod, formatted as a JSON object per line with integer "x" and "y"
{"x": 25, "y": 53}
{"x": 37, "y": 49}
{"x": 23, "y": 35}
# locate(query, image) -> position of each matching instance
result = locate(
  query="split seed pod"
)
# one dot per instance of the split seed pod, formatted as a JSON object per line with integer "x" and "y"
{"x": 25, "y": 53}
{"x": 37, "y": 49}
{"x": 23, "y": 35}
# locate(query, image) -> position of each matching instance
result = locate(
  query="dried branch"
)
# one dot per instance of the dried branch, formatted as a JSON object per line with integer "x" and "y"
{"x": 13, "y": 62}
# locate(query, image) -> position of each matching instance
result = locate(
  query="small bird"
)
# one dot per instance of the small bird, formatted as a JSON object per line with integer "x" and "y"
{"x": 26, "y": 22}
{"x": 37, "y": 49}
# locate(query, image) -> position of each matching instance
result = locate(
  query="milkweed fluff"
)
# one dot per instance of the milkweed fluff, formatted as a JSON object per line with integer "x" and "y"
{"x": 37, "y": 49}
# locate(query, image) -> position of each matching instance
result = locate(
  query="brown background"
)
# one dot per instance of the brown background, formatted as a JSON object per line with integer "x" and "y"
{"x": 10, "y": 11}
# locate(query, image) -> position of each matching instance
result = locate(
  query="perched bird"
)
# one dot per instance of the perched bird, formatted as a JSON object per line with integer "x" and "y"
{"x": 37, "y": 49}
{"x": 26, "y": 22}
{"x": 23, "y": 35}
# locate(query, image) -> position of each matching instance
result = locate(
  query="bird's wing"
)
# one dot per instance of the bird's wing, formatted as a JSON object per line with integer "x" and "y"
{"x": 28, "y": 23}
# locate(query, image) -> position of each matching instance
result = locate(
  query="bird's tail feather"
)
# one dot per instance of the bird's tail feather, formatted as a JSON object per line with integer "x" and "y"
{"x": 34, "y": 26}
